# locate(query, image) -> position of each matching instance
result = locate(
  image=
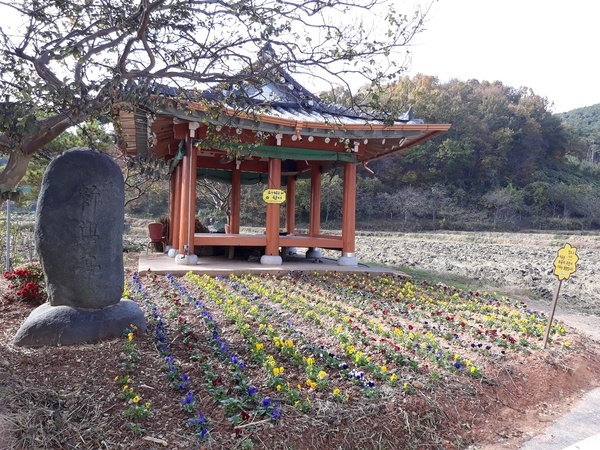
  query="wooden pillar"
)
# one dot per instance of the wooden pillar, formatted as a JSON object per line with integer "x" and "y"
{"x": 172, "y": 207}
{"x": 349, "y": 216}
{"x": 273, "y": 209}
{"x": 184, "y": 200}
{"x": 176, "y": 216}
{"x": 192, "y": 197}
{"x": 315, "y": 200}
{"x": 290, "y": 205}
{"x": 188, "y": 198}
{"x": 235, "y": 207}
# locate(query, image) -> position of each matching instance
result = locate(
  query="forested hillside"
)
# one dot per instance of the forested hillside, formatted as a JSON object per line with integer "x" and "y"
{"x": 586, "y": 123}
{"x": 507, "y": 163}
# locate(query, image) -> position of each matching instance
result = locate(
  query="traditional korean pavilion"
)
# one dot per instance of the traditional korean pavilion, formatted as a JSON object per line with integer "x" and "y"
{"x": 273, "y": 132}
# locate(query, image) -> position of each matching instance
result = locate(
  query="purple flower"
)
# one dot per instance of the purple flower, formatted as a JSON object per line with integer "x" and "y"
{"x": 266, "y": 402}
{"x": 188, "y": 399}
{"x": 276, "y": 414}
{"x": 252, "y": 390}
{"x": 200, "y": 419}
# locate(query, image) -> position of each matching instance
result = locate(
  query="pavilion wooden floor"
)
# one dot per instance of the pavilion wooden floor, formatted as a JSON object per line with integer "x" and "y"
{"x": 161, "y": 264}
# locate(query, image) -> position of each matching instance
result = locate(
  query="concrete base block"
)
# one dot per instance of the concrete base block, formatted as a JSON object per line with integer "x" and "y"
{"x": 347, "y": 261}
{"x": 273, "y": 260}
{"x": 65, "y": 325}
{"x": 314, "y": 253}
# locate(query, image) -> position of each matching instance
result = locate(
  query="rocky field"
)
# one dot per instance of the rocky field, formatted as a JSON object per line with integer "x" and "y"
{"x": 518, "y": 263}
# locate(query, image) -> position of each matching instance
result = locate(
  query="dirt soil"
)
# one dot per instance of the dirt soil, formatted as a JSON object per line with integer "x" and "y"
{"x": 64, "y": 397}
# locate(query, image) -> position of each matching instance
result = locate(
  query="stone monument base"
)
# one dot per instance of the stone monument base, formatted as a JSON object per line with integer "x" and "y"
{"x": 65, "y": 325}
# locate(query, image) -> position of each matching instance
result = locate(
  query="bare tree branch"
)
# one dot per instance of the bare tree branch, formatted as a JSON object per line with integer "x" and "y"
{"x": 71, "y": 61}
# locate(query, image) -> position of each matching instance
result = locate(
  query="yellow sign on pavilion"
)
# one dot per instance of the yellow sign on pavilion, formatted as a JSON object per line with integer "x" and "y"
{"x": 566, "y": 262}
{"x": 274, "y": 196}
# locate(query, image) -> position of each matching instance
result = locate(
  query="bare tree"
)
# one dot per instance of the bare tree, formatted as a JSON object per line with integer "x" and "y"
{"x": 65, "y": 62}
{"x": 216, "y": 195}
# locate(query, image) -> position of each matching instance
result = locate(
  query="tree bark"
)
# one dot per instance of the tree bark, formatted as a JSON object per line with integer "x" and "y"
{"x": 15, "y": 169}
{"x": 46, "y": 130}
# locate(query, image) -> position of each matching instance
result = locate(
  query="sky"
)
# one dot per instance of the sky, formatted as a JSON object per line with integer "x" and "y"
{"x": 550, "y": 46}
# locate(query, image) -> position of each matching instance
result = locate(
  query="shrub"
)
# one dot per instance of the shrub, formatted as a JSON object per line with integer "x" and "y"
{"x": 26, "y": 284}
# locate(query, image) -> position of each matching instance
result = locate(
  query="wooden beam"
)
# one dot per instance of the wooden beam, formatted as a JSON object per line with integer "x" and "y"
{"x": 290, "y": 205}
{"x": 315, "y": 200}
{"x": 273, "y": 209}
{"x": 349, "y": 210}
{"x": 236, "y": 194}
{"x": 186, "y": 179}
{"x": 176, "y": 216}
{"x": 191, "y": 210}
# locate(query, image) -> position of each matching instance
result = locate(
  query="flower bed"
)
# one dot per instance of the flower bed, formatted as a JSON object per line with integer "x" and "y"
{"x": 256, "y": 348}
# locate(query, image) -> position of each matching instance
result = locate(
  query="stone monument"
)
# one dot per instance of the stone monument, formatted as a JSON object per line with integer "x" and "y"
{"x": 79, "y": 238}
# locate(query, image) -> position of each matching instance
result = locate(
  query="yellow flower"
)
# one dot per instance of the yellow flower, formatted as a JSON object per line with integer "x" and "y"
{"x": 336, "y": 391}
{"x": 311, "y": 384}
{"x": 130, "y": 336}
{"x": 117, "y": 378}
{"x": 322, "y": 374}
{"x": 383, "y": 369}
{"x": 258, "y": 346}
{"x": 136, "y": 399}
{"x": 567, "y": 344}
{"x": 310, "y": 361}
{"x": 393, "y": 377}
{"x": 147, "y": 405}
{"x": 278, "y": 387}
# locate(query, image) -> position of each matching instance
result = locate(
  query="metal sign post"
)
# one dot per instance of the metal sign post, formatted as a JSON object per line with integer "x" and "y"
{"x": 564, "y": 265}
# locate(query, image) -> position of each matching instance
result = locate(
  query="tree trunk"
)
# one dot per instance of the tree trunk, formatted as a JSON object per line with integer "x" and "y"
{"x": 15, "y": 169}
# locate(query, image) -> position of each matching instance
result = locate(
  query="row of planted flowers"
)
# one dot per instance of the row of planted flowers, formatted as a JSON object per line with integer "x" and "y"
{"x": 267, "y": 343}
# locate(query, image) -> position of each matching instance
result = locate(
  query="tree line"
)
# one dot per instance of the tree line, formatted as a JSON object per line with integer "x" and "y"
{"x": 507, "y": 163}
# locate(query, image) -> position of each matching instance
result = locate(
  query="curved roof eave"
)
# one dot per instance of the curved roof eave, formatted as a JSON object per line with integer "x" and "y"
{"x": 328, "y": 126}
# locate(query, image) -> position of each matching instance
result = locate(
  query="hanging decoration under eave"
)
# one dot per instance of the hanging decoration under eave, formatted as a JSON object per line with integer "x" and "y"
{"x": 178, "y": 157}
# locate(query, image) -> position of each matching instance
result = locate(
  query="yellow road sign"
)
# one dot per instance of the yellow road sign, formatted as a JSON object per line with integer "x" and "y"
{"x": 566, "y": 262}
{"x": 274, "y": 196}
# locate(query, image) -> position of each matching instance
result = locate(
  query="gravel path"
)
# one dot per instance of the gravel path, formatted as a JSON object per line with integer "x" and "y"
{"x": 518, "y": 263}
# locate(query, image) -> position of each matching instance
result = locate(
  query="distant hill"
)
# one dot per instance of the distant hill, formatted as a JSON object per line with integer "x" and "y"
{"x": 585, "y": 121}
